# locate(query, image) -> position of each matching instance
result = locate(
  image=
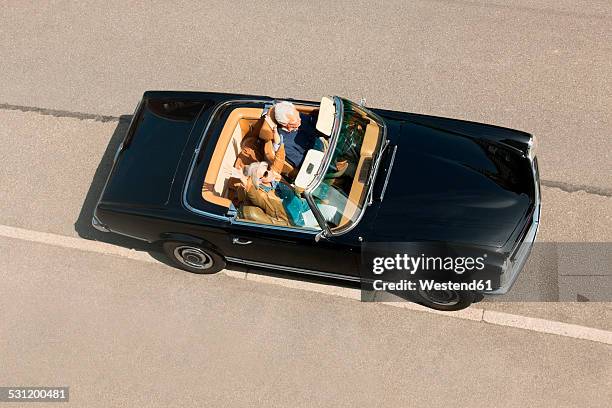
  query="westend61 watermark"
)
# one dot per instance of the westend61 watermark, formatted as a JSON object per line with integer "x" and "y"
{"x": 422, "y": 263}
{"x": 553, "y": 272}
{"x": 406, "y": 269}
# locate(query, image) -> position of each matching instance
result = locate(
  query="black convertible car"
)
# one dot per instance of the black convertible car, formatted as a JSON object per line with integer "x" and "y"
{"x": 410, "y": 178}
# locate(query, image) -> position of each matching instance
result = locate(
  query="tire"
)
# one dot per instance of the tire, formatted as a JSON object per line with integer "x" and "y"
{"x": 445, "y": 300}
{"x": 193, "y": 258}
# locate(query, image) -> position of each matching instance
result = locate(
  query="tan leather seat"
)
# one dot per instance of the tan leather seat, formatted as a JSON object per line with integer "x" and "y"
{"x": 239, "y": 144}
{"x": 228, "y": 148}
{"x": 256, "y": 214}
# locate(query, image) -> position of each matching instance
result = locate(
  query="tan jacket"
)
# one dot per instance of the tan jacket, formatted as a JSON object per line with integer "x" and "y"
{"x": 252, "y": 150}
{"x": 268, "y": 136}
{"x": 268, "y": 201}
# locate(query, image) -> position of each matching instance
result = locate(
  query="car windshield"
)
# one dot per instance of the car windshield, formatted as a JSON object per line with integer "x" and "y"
{"x": 341, "y": 195}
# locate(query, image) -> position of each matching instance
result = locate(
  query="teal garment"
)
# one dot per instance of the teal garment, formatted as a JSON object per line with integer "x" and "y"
{"x": 330, "y": 195}
{"x": 321, "y": 191}
{"x": 294, "y": 205}
{"x": 272, "y": 187}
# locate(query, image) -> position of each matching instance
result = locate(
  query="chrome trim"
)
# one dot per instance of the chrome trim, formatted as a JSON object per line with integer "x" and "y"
{"x": 293, "y": 269}
{"x": 119, "y": 149}
{"x": 131, "y": 236}
{"x": 276, "y": 227}
{"x": 106, "y": 229}
{"x": 193, "y": 257}
{"x": 531, "y": 148}
{"x": 95, "y": 222}
{"x": 514, "y": 265}
{"x": 374, "y": 172}
{"x": 384, "y": 189}
{"x": 238, "y": 241}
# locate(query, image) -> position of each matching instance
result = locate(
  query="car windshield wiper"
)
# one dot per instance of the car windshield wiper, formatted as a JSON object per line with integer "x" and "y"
{"x": 374, "y": 170}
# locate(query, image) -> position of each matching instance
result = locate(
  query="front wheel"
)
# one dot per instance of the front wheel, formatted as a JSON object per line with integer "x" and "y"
{"x": 446, "y": 300}
{"x": 193, "y": 258}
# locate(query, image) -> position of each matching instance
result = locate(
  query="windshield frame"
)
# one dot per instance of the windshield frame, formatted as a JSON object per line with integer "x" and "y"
{"x": 318, "y": 179}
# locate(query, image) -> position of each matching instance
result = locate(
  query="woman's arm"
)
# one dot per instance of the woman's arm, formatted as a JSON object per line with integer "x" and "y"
{"x": 279, "y": 161}
{"x": 269, "y": 152}
{"x": 268, "y": 134}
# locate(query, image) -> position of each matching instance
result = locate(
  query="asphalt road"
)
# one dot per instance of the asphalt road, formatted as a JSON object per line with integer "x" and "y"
{"x": 126, "y": 333}
{"x": 540, "y": 66}
{"x": 122, "y": 333}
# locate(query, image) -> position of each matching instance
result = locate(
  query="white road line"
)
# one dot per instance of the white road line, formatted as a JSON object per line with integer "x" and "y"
{"x": 472, "y": 313}
{"x": 73, "y": 243}
{"x": 548, "y": 326}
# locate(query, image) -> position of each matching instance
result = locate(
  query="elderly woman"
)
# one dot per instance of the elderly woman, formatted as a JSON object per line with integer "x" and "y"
{"x": 265, "y": 189}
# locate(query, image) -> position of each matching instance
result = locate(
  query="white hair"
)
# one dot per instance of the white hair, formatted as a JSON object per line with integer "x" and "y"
{"x": 251, "y": 171}
{"x": 283, "y": 110}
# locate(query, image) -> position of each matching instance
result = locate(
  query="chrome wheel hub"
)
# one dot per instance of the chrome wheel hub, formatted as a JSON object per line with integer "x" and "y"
{"x": 193, "y": 257}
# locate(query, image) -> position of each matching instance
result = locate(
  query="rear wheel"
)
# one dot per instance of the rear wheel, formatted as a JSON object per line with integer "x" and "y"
{"x": 447, "y": 300}
{"x": 194, "y": 259}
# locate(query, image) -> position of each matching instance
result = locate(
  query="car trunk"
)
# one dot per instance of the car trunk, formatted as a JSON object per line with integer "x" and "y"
{"x": 145, "y": 166}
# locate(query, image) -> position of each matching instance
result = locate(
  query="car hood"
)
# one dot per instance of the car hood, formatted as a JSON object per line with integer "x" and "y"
{"x": 451, "y": 187}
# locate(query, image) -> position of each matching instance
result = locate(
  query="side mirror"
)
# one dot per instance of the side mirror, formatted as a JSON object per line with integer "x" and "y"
{"x": 320, "y": 235}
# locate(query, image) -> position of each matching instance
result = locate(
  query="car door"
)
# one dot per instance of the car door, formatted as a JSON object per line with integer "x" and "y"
{"x": 291, "y": 249}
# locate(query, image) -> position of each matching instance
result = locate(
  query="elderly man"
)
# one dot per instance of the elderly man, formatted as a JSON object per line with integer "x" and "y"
{"x": 284, "y": 125}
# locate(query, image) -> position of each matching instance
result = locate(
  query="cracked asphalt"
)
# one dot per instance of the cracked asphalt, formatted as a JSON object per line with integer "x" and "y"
{"x": 539, "y": 66}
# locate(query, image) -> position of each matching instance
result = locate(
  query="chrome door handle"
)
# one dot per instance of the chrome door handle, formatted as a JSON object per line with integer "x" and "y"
{"x": 240, "y": 242}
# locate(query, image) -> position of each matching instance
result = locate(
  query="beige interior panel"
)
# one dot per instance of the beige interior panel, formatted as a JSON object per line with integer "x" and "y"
{"x": 306, "y": 109}
{"x": 370, "y": 141}
{"x": 210, "y": 189}
{"x": 231, "y": 154}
